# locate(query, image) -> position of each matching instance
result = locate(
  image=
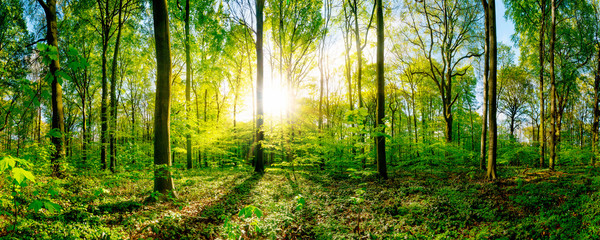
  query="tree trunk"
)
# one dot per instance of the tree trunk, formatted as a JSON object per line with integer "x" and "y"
{"x": 542, "y": 130}
{"x": 259, "y": 166}
{"x": 188, "y": 83}
{"x": 104, "y": 98}
{"x": 84, "y": 133}
{"x": 56, "y": 101}
{"x": 359, "y": 55}
{"x": 448, "y": 118}
{"x": 347, "y": 62}
{"x": 512, "y": 127}
{"x": 486, "y": 69}
{"x": 414, "y": 113}
{"x": 205, "y": 104}
{"x": 380, "y": 126}
{"x": 553, "y": 110}
{"x": 113, "y": 94}
{"x": 596, "y": 121}
{"x": 163, "y": 180}
{"x": 491, "y": 166}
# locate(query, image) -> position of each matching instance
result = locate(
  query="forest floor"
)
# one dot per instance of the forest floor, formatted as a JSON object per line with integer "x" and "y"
{"x": 310, "y": 204}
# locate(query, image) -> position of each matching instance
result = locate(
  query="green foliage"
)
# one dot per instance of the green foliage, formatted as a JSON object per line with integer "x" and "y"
{"x": 249, "y": 210}
{"x": 16, "y": 174}
{"x": 570, "y": 155}
{"x": 300, "y": 202}
{"x": 516, "y": 154}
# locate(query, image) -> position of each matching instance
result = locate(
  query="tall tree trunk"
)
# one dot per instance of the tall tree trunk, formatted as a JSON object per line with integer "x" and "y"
{"x": 486, "y": 70}
{"x": 321, "y": 81}
{"x": 596, "y": 121}
{"x": 347, "y": 58}
{"x": 358, "y": 55}
{"x": 58, "y": 121}
{"x": 104, "y": 97}
{"x": 542, "y": 130}
{"x": 359, "y": 76}
{"x": 163, "y": 180}
{"x": 84, "y": 133}
{"x": 553, "y": 110}
{"x": 512, "y": 127}
{"x": 380, "y": 140}
{"x": 113, "y": 94}
{"x": 491, "y": 166}
{"x": 472, "y": 128}
{"x": 188, "y": 83}
{"x": 205, "y": 104}
{"x": 103, "y": 112}
{"x": 259, "y": 166}
{"x": 448, "y": 119}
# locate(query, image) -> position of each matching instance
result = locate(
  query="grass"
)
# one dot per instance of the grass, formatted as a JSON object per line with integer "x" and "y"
{"x": 433, "y": 204}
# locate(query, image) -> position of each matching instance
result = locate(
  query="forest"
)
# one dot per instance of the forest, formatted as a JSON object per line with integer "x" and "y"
{"x": 299, "y": 119}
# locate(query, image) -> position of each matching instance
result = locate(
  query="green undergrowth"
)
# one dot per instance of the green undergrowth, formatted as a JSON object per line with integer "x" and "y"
{"x": 310, "y": 204}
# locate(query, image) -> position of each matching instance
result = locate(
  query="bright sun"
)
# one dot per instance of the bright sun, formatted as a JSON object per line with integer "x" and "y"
{"x": 275, "y": 101}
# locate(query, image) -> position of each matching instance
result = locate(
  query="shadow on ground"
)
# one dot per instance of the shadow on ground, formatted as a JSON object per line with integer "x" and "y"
{"x": 205, "y": 225}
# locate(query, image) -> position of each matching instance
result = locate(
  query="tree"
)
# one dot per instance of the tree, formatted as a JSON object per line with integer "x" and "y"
{"x": 572, "y": 52}
{"x": 553, "y": 133}
{"x": 486, "y": 71}
{"x": 380, "y": 138}
{"x": 163, "y": 181}
{"x": 449, "y": 26}
{"x": 188, "y": 83}
{"x": 15, "y": 100}
{"x": 514, "y": 82}
{"x": 259, "y": 166}
{"x": 491, "y": 18}
{"x": 596, "y": 99}
{"x": 58, "y": 122}
{"x": 522, "y": 12}
{"x": 359, "y": 48}
{"x": 124, "y": 11}
{"x": 106, "y": 14}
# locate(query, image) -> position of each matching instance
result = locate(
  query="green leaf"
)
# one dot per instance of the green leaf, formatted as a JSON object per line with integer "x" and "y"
{"x": 242, "y": 212}
{"x": 21, "y": 174}
{"x": 52, "y": 207}
{"x": 52, "y": 52}
{"x": 42, "y": 46}
{"x": 7, "y": 162}
{"x": 22, "y": 161}
{"x": 258, "y": 212}
{"x": 55, "y": 132}
{"x": 49, "y": 78}
{"x": 53, "y": 192}
{"x": 36, "y": 205}
{"x": 248, "y": 213}
{"x": 61, "y": 76}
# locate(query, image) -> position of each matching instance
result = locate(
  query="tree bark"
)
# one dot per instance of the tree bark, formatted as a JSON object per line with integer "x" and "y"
{"x": 163, "y": 180}
{"x": 105, "y": 32}
{"x": 596, "y": 120}
{"x": 542, "y": 130}
{"x": 188, "y": 84}
{"x": 486, "y": 70}
{"x": 259, "y": 166}
{"x": 113, "y": 94}
{"x": 491, "y": 166}
{"x": 380, "y": 126}
{"x": 553, "y": 110}
{"x": 347, "y": 62}
{"x": 58, "y": 121}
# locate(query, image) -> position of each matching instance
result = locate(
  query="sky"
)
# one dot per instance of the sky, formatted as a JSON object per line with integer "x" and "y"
{"x": 505, "y": 28}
